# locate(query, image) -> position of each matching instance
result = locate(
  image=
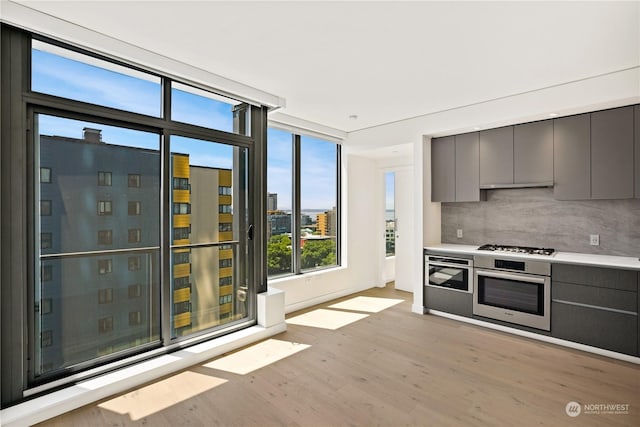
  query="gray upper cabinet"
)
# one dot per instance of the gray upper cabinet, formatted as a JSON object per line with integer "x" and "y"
{"x": 572, "y": 157}
{"x": 637, "y": 138}
{"x": 443, "y": 169}
{"x": 612, "y": 154}
{"x": 467, "y": 167}
{"x": 533, "y": 153}
{"x": 496, "y": 156}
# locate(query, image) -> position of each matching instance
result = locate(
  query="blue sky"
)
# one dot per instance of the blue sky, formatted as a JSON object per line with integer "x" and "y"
{"x": 68, "y": 78}
{"x": 389, "y": 185}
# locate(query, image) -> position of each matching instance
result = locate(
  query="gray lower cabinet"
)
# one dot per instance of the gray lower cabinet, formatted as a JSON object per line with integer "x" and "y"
{"x": 443, "y": 169}
{"x": 612, "y": 154}
{"x": 572, "y": 157}
{"x": 636, "y": 113}
{"x": 533, "y": 153}
{"x": 454, "y": 302}
{"x": 467, "y": 167}
{"x": 595, "y": 306}
{"x": 496, "y": 156}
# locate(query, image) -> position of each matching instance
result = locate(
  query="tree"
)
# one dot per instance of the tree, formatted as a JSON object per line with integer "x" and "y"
{"x": 279, "y": 254}
{"x": 316, "y": 253}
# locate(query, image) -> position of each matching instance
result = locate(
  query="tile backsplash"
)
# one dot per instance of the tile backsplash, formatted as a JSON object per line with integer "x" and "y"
{"x": 532, "y": 217}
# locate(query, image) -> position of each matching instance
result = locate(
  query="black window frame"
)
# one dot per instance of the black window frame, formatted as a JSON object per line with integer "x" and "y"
{"x": 18, "y": 250}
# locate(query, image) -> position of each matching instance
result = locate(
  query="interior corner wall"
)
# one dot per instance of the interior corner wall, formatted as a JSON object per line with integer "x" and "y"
{"x": 359, "y": 244}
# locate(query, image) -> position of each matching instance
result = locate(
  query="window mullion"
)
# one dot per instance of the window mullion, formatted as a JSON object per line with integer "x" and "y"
{"x": 296, "y": 250}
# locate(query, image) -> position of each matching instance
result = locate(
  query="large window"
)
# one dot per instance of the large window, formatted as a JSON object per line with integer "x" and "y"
{"x": 138, "y": 224}
{"x": 390, "y": 213}
{"x": 303, "y": 226}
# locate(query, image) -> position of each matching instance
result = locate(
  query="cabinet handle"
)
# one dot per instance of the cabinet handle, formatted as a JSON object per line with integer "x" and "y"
{"x": 595, "y": 307}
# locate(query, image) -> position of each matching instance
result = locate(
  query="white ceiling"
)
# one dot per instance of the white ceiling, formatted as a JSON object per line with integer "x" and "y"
{"x": 381, "y": 61}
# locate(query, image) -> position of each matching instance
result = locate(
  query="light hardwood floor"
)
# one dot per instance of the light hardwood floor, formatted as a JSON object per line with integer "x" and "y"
{"x": 391, "y": 368}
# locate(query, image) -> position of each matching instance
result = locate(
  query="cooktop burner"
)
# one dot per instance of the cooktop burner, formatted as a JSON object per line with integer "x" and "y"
{"x": 517, "y": 249}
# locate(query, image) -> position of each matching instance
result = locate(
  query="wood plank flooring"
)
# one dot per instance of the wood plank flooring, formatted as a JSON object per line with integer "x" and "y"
{"x": 391, "y": 368}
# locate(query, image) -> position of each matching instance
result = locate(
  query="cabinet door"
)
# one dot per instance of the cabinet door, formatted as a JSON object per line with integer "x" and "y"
{"x": 612, "y": 154}
{"x": 533, "y": 152}
{"x": 496, "y": 156}
{"x": 572, "y": 157}
{"x": 637, "y": 138}
{"x": 443, "y": 169}
{"x": 467, "y": 167}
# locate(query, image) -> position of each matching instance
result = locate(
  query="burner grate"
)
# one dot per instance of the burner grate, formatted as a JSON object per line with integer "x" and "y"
{"x": 517, "y": 249}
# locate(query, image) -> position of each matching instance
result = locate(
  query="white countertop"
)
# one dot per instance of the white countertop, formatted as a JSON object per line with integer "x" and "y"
{"x": 629, "y": 263}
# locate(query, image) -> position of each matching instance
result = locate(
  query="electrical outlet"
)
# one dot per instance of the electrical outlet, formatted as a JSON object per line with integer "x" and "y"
{"x": 459, "y": 233}
{"x": 594, "y": 240}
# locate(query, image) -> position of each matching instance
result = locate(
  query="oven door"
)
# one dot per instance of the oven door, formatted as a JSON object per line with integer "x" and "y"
{"x": 448, "y": 276}
{"x": 522, "y": 299}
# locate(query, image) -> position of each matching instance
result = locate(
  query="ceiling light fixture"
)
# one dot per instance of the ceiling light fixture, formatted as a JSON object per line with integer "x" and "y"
{"x": 353, "y": 117}
{"x": 477, "y": 128}
{"x": 553, "y": 114}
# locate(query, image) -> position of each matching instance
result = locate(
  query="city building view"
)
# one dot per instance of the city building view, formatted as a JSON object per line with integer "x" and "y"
{"x": 99, "y": 258}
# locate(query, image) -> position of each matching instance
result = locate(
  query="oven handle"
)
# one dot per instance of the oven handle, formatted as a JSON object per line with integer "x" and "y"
{"x": 445, "y": 264}
{"x": 511, "y": 276}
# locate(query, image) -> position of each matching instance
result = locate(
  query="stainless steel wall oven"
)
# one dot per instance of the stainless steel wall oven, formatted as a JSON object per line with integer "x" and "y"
{"x": 449, "y": 273}
{"x": 513, "y": 290}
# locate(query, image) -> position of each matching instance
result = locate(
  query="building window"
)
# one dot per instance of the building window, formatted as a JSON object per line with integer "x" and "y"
{"x": 105, "y": 237}
{"x": 134, "y": 263}
{"x": 104, "y": 207}
{"x": 181, "y": 282}
{"x": 46, "y": 339}
{"x": 224, "y": 226}
{"x": 224, "y": 263}
{"x": 45, "y": 175}
{"x": 181, "y": 208}
{"x": 181, "y": 233}
{"x": 225, "y": 281}
{"x": 225, "y": 299}
{"x": 46, "y": 273}
{"x": 181, "y": 184}
{"x": 105, "y": 324}
{"x": 105, "y": 296}
{"x": 135, "y": 290}
{"x": 135, "y": 235}
{"x": 181, "y": 258}
{"x": 133, "y": 208}
{"x": 45, "y": 207}
{"x": 134, "y": 180}
{"x": 105, "y": 266}
{"x": 45, "y": 306}
{"x": 181, "y": 307}
{"x": 46, "y": 240}
{"x": 224, "y": 209}
{"x": 224, "y": 191}
{"x": 135, "y": 318}
{"x": 104, "y": 179}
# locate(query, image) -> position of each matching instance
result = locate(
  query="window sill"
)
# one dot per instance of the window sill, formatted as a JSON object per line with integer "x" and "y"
{"x": 293, "y": 277}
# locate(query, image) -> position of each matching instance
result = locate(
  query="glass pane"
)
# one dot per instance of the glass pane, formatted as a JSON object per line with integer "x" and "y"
{"x": 208, "y": 192}
{"x": 279, "y": 201}
{"x": 206, "y": 109}
{"x": 61, "y": 72}
{"x": 318, "y": 203}
{"x": 390, "y": 213}
{"x": 87, "y": 259}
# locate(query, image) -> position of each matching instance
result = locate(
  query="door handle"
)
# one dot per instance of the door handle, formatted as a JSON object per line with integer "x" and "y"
{"x": 250, "y": 232}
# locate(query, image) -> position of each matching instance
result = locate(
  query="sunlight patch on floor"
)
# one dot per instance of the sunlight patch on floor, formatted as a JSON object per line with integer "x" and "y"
{"x": 326, "y": 319}
{"x": 161, "y": 395}
{"x": 256, "y": 356}
{"x": 368, "y": 304}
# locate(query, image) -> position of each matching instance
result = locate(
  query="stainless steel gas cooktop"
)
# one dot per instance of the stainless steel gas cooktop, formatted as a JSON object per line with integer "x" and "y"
{"x": 517, "y": 249}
